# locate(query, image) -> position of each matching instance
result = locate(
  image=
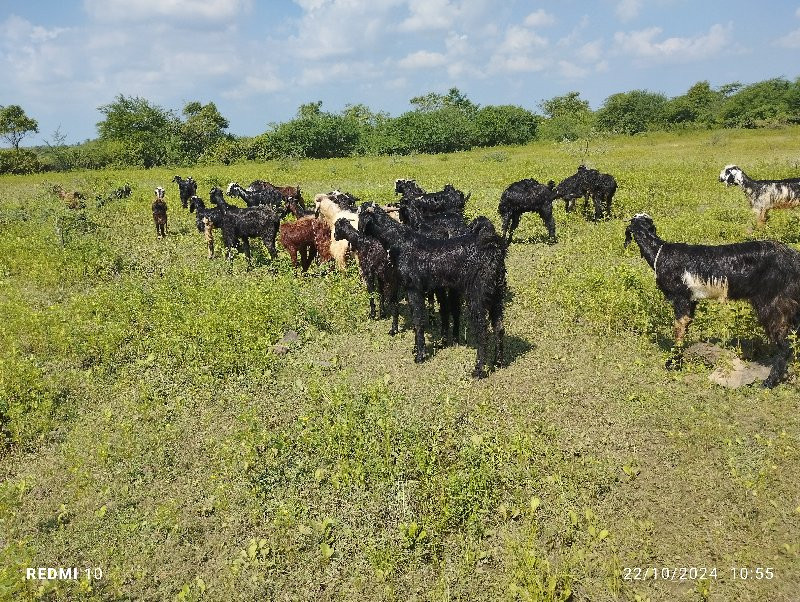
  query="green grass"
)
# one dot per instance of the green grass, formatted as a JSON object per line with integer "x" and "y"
{"x": 146, "y": 427}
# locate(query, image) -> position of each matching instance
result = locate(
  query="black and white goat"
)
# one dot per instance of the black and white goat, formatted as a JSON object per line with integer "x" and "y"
{"x": 473, "y": 266}
{"x": 159, "y": 208}
{"x": 527, "y": 196}
{"x": 187, "y": 189}
{"x": 763, "y": 195}
{"x": 586, "y": 183}
{"x": 376, "y": 268}
{"x": 766, "y": 273}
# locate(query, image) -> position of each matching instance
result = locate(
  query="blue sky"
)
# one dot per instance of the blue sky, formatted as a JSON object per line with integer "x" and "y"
{"x": 258, "y": 61}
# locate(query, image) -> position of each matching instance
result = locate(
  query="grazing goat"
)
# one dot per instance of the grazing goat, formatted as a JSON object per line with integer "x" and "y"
{"x": 239, "y": 225}
{"x": 300, "y": 236}
{"x": 376, "y": 270}
{"x": 187, "y": 189}
{"x": 74, "y": 199}
{"x": 207, "y": 220}
{"x": 765, "y": 273}
{"x": 160, "y": 213}
{"x": 448, "y": 200}
{"x": 527, "y": 196}
{"x": 330, "y": 211}
{"x": 472, "y": 265}
{"x": 587, "y": 183}
{"x": 763, "y": 195}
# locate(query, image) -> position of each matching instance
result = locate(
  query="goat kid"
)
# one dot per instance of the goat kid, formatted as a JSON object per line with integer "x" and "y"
{"x": 159, "y": 208}
{"x": 765, "y": 273}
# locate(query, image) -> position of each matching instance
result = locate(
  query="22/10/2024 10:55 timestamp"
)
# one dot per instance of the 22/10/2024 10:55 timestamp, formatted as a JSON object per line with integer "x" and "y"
{"x": 692, "y": 573}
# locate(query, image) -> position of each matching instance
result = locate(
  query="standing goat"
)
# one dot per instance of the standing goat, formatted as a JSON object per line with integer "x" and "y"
{"x": 160, "y": 213}
{"x": 763, "y": 195}
{"x": 187, "y": 189}
{"x": 527, "y": 196}
{"x": 472, "y": 266}
{"x": 765, "y": 273}
{"x": 329, "y": 210}
{"x": 376, "y": 269}
{"x": 239, "y": 225}
{"x": 207, "y": 220}
{"x": 586, "y": 183}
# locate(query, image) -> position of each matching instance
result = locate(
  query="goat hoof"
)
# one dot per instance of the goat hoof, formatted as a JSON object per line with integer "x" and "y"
{"x": 419, "y": 358}
{"x": 479, "y": 373}
{"x": 770, "y": 383}
{"x": 392, "y": 332}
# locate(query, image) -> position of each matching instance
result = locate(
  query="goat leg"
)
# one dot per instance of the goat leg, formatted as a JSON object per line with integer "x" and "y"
{"x": 478, "y": 320}
{"x": 684, "y": 312}
{"x": 416, "y": 300}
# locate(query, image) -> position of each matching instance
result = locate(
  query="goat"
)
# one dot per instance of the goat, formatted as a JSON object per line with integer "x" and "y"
{"x": 160, "y": 213}
{"x": 587, "y": 183}
{"x": 239, "y": 225}
{"x": 207, "y": 220}
{"x": 74, "y": 199}
{"x": 300, "y": 236}
{"x": 330, "y": 211}
{"x": 376, "y": 269}
{"x": 448, "y": 200}
{"x": 527, "y": 196}
{"x": 187, "y": 189}
{"x": 287, "y": 192}
{"x": 472, "y": 265}
{"x": 407, "y": 188}
{"x": 765, "y": 273}
{"x": 763, "y": 195}
{"x": 262, "y": 196}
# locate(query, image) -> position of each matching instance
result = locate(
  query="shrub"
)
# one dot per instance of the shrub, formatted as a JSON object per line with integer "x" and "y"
{"x": 19, "y": 161}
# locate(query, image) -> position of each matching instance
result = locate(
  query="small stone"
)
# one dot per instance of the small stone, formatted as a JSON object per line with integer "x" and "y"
{"x": 739, "y": 374}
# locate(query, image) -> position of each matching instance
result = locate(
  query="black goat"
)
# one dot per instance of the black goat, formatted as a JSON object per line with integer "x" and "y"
{"x": 527, "y": 196}
{"x": 472, "y": 265}
{"x": 448, "y": 200}
{"x": 241, "y": 224}
{"x": 261, "y": 196}
{"x": 160, "y": 213}
{"x": 407, "y": 188}
{"x": 187, "y": 189}
{"x": 587, "y": 183}
{"x": 376, "y": 269}
{"x": 207, "y": 219}
{"x": 764, "y": 272}
{"x": 763, "y": 195}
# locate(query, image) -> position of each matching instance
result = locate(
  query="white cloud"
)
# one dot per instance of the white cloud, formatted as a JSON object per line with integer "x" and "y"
{"x": 422, "y": 59}
{"x": 590, "y": 52}
{"x": 790, "y": 40}
{"x": 628, "y": 9}
{"x": 429, "y": 14}
{"x": 570, "y": 70}
{"x": 644, "y": 45}
{"x": 189, "y": 10}
{"x": 540, "y": 18}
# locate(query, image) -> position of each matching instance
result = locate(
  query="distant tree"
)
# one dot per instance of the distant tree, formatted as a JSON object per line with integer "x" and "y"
{"x": 700, "y": 105}
{"x": 506, "y": 124}
{"x": 631, "y": 112}
{"x": 568, "y": 118}
{"x": 568, "y": 105}
{"x": 147, "y": 132}
{"x": 309, "y": 109}
{"x": 453, "y": 99}
{"x": 15, "y": 125}
{"x": 763, "y": 103}
{"x": 203, "y": 128}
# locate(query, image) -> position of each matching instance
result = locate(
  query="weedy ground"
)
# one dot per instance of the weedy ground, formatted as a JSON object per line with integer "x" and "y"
{"x": 147, "y": 429}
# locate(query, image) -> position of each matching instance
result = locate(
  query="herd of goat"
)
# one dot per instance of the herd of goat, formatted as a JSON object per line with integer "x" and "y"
{"x": 423, "y": 247}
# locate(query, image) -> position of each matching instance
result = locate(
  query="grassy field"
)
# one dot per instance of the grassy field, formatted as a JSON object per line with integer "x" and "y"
{"x": 149, "y": 433}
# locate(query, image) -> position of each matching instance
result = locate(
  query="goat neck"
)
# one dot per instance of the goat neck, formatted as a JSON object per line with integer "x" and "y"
{"x": 649, "y": 244}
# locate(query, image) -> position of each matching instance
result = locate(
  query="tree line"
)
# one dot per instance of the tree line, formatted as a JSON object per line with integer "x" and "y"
{"x": 136, "y": 133}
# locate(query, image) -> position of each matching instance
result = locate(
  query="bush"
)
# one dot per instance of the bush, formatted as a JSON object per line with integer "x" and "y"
{"x": 19, "y": 161}
{"x": 632, "y": 112}
{"x": 507, "y": 124}
{"x": 441, "y": 131}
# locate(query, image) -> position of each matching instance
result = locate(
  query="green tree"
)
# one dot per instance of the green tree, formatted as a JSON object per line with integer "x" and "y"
{"x": 15, "y": 125}
{"x": 632, "y": 112}
{"x": 506, "y": 124}
{"x": 147, "y": 132}
{"x": 453, "y": 99}
{"x": 763, "y": 103}
{"x": 568, "y": 105}
{"x": 568, "y": 118}
{"x": 700, "y": 105}
{"x": 203, "y": 129}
